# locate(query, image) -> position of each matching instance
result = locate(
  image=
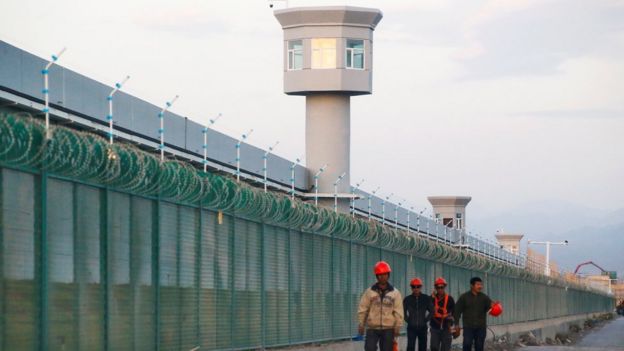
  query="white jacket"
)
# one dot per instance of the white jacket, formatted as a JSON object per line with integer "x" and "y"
{"x": 381, "y": 310}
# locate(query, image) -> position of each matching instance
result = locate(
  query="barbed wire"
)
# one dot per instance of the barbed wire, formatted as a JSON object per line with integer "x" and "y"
{"x": 88, "y": 157}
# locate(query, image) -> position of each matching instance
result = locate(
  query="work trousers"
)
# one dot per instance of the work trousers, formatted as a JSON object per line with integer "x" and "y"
{"x": 441, "y": 339}
{"x": 474, "y": 336}
{"x": 419, "y": 333}
{"x": 383, "y": 337}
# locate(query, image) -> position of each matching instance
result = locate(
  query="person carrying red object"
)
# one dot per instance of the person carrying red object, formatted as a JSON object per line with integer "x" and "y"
{"x": 380, "y": 313}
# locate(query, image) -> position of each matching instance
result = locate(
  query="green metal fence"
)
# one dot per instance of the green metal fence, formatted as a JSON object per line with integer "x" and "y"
{"x": 161, "y": 257}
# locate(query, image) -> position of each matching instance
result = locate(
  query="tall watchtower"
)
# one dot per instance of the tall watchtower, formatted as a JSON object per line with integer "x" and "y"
{"x": 328, "y": 58}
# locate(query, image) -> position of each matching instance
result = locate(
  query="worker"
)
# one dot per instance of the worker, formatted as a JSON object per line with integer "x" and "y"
{"x": 417, "y": 309}
{"x": 380, "y": 312}
{"x": 473, "y": 306}
{"x": 442, "y": 321}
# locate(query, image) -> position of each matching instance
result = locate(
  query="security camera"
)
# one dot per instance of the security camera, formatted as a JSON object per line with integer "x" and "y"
{"x": 272, "y": 2}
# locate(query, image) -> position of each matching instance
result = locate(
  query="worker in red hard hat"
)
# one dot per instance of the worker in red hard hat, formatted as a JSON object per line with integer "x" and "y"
{"x": 442, "y": 321}
{"x": 417, "y": 310}
{"x": 473, "y": 307}
{"x": 380, "y": 312}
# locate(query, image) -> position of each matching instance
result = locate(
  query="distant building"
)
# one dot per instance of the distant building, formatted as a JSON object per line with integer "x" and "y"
{"x": 509, "y": 242}
{"x": 600, "y": 281}
{"x": 617, "y": 288}
{"x": 450, "y": 210}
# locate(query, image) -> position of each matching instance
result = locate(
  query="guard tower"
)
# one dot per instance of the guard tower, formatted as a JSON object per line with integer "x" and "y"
{"x": 509, "y": 242}
{"x": 450, "y": 210}
{"x": 328, "y": 58}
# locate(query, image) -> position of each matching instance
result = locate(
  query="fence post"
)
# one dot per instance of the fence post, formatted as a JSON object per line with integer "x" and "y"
{"x": 156, "y": 270}
{"x": 289, "y": 286}
{"x": 232, "y": 243}
{"x": 198, "y": 259}
{"x": 43, "y": 263}
{"x": 104, "y": 266}
{"x": 262, "y": 286}
{"x": 332, "y": 291}
{"x": 349, "y": 281}
{"x": 179, "y": 289}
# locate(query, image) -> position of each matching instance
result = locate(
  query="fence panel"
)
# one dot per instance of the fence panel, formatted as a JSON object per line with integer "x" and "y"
{"x": 121, "y": 271}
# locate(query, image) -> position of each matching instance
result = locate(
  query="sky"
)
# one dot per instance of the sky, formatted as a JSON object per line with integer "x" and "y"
{"x": 513, "y": 102}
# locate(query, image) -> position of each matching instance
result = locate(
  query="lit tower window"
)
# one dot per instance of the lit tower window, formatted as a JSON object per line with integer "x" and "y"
{"x": 324, "y": 53}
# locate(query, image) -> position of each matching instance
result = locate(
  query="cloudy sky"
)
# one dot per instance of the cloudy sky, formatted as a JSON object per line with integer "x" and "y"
{"x": 512, "y": 102}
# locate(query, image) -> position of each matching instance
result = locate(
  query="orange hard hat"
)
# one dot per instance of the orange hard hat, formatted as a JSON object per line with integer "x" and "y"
{"x": 416, "y": 282}
{"x": 382, "y": 267}
{"x": 497, "y": 309}
{"x": 440, "y": 281}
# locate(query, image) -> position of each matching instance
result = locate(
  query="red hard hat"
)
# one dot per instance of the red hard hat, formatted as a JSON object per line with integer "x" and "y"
{"x": 415, "y": 282}
{"x": 382, "y": 267}
{"x": 497, "y": 309}
{"x": 440, "y": 281}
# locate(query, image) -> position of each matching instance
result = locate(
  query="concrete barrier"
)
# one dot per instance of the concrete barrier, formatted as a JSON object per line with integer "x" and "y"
{"x": 545, "y": 328}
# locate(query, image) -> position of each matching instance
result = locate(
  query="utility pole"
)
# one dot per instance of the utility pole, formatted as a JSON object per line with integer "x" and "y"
{"x": 548, "y": 243}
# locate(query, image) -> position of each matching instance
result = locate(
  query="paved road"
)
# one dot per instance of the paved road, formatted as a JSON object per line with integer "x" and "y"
{"x": 608, "y": 338}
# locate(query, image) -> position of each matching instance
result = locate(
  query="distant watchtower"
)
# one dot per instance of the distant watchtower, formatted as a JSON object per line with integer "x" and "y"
{"x": 328, "y": 58}
{"x": 450, "y": 210}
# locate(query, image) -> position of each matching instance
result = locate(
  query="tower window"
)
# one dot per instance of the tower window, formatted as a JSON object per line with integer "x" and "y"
{"x": 324, "y": 53}
{"x": 295, "y": 55}
{"x": 447, "y": 222}
{"x": 354, "y": 54}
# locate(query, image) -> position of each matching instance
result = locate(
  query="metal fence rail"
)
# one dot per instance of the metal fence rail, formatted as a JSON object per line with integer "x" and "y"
{"x": 88, "y": 266}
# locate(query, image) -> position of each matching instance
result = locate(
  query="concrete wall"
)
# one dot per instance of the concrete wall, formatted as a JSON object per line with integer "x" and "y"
{"x": 328, "y": 139}
{"x": 542, "y": 329}
{"x": 72, "y": 92}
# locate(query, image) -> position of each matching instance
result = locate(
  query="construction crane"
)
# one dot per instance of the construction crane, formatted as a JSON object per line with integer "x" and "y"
{"x": 611, "y": 275}
{"x": 602, "y": 270}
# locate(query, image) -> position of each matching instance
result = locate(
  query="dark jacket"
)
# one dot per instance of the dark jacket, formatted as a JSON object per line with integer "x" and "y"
{"x": 446, "y": 322}
{"x": 473, "y": 309}
{"x": 417, "y": 311}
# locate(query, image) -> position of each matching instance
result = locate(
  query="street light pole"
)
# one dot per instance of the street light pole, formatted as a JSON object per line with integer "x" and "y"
{"x": 238, "y": 147}
{"x": 109, "y": 117}
{"x": 161, "y": 130}
{"x": 548, "y": 243}
{"x": 46, "y": 90}
{"x": 336, "y": 191}
{"x": 264, "y": 166}
{"x": 205, "y": 146}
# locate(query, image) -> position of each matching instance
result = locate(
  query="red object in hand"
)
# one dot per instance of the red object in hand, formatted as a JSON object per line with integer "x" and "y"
{"x": 395, "y": 346}
{"x": 497, "y": 309}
